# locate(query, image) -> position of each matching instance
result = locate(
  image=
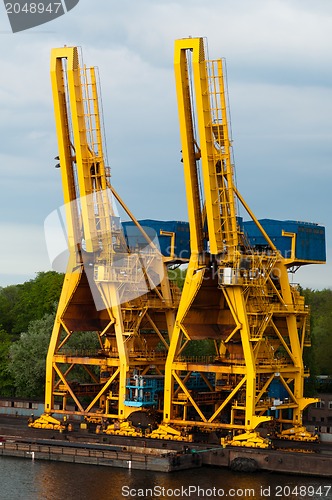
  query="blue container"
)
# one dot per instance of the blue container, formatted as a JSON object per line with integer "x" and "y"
{"x": 310, "y": 238}
{"x": 153, "y": 228}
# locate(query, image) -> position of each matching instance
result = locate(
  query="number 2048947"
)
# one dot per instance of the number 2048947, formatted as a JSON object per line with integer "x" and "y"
{"x": 33, "y": 8}
{"x": 301, "y": 491}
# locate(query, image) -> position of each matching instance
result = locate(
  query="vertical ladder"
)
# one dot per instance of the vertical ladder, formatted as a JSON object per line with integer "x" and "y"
{"x": 220, "y": 157}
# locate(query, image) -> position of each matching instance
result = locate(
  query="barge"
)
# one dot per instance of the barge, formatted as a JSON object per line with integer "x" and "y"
{"x": 84, "y": 447}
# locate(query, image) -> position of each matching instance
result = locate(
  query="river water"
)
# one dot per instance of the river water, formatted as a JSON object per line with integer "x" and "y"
{"x": 39, "y": 480}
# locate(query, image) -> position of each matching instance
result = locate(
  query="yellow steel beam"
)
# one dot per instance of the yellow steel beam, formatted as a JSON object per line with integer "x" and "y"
{"x": 228, "y": 399}
{"x": 190, "y": 150}
{"x": 189, "y": 396}
{"x": 103, "y": 390}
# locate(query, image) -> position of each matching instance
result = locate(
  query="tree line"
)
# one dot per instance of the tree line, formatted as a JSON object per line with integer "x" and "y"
{"x": 27, "y": 313}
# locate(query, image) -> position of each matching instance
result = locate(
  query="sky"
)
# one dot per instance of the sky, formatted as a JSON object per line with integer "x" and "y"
{"x": 278, "y": 56}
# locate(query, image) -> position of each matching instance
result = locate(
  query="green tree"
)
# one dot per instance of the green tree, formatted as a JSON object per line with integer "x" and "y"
{"x": 36, "y": 298}
{"x": 20, "y": 304}
{"x": 27, "y": 358}
{"x": 199, "y": 348}
{"x": 318, "y": 358}
{"x": 322, "y": 344}
{"x": 9, "y": 297}
{"x": 178, "y": 275}
{"x": 6, "y": 381}
{"x": 27, "y": 364}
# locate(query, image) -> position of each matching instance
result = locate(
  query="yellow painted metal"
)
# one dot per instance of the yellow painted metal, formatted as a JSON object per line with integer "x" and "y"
{"x": 190, "y": 152}
{"x": 212, "y": 142}
{"x": 249, "y": 440}
{"x": 107, "y": 289}
{"x": 123, "y": 429}
{"x": 168, "y": 432}
{"x": 47, "y": 422}
{"x": 66, "y": 152}
{"x": 298, "y": 433}
{"x": 238, "y": 298}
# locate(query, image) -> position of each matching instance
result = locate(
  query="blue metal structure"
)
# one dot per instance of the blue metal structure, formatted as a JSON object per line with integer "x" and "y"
{"x": 309, "y": 238}
{"x": 143, "y": 390}
{"x": 153, "y": 229}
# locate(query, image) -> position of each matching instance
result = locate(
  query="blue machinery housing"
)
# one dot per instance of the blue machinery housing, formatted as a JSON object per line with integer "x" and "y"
{"x": 309, "y": 242}
{"x": 309, "y": 237}
{"x": 153, "y": 228}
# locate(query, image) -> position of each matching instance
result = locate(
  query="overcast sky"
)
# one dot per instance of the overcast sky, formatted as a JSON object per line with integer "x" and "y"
{"x": 278, "y": 55}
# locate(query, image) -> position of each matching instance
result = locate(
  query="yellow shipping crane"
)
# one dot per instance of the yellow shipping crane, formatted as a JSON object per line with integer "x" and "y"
{"x": 120, "y": 293}
{"x": 236, "y": 297}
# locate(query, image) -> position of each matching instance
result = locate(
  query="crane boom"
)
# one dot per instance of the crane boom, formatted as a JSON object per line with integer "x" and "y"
{"x": 78, "y": 123}
{"x": 207, "y": 106}
{"x": 190, "y": 151}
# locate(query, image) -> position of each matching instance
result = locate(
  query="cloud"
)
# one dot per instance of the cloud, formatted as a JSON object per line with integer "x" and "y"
{"x": 22, "y": 252}
{"x": 279, "y": 79}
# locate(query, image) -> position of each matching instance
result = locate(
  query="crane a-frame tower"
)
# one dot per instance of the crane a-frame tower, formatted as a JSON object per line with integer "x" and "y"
{"x": 237, "y": 296}
{"x": 121, "y": 294}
